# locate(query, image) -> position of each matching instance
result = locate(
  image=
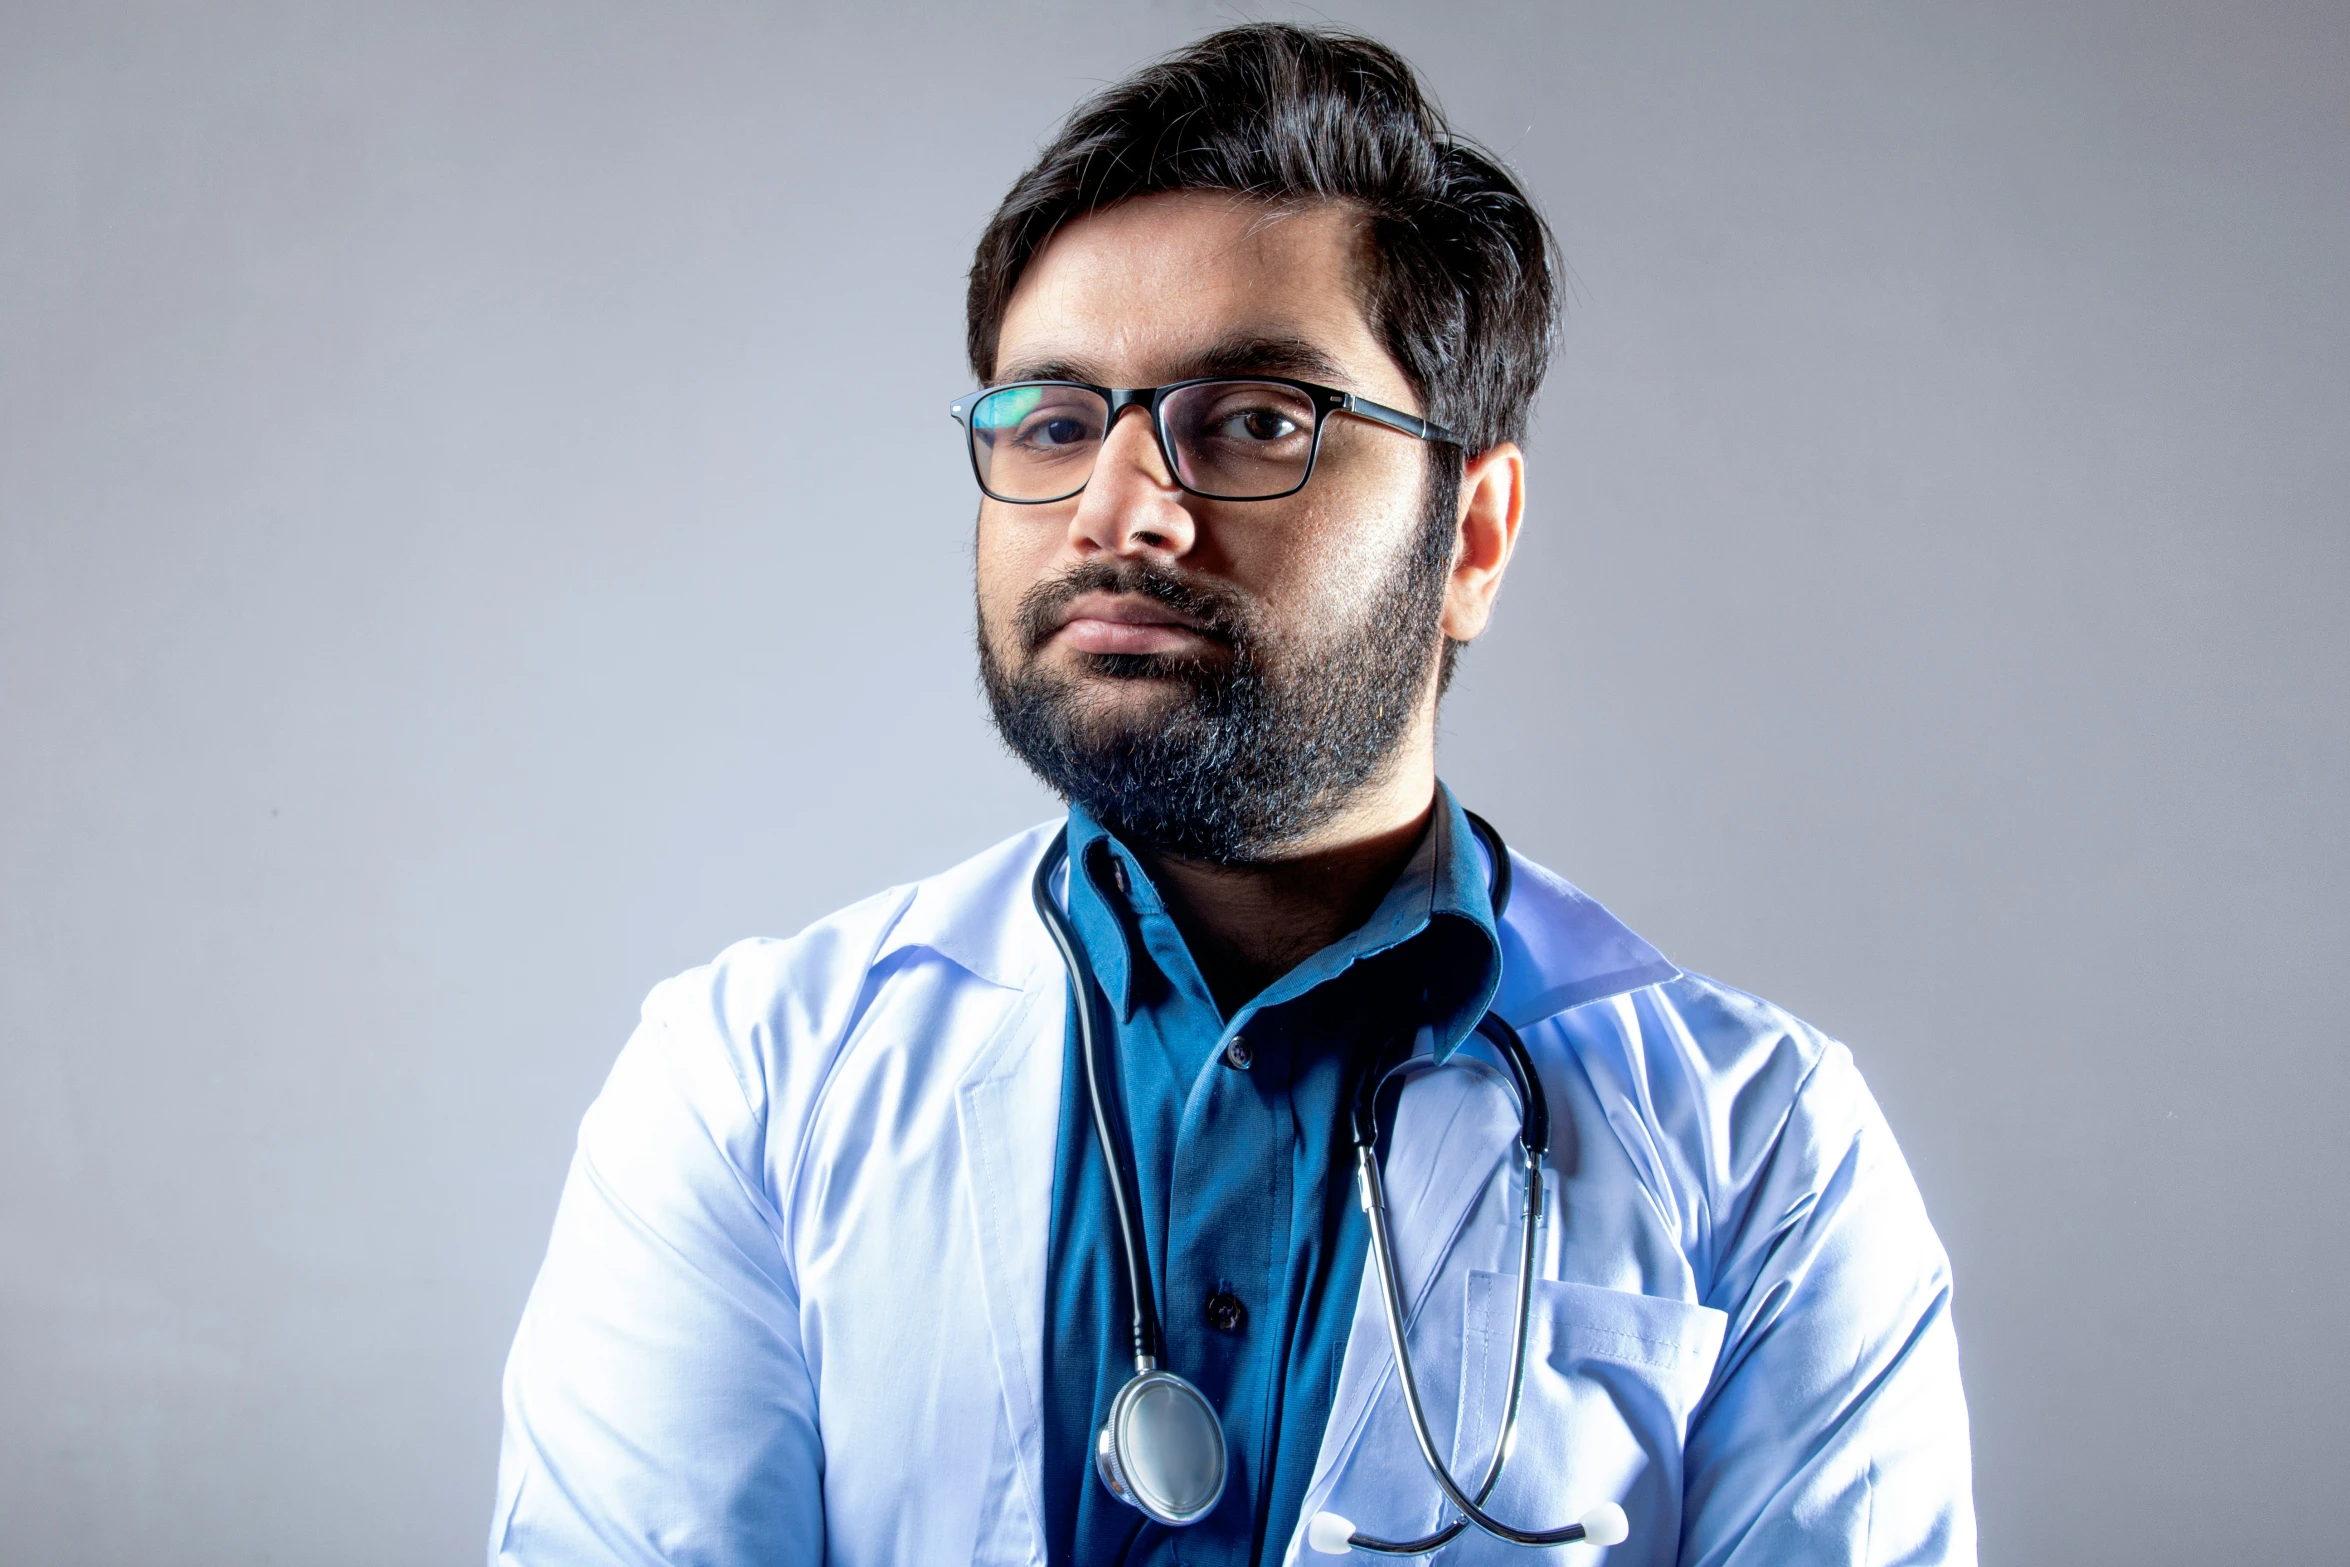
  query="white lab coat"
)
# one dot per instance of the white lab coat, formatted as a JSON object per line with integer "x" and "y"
{"x": 793, "y": 1307}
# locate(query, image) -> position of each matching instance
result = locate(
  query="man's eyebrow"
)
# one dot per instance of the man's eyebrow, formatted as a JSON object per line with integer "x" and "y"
{"x": 1044, "y": 370}
{"x": 1290, "y": 356}
{"x": 1253, "y": 355}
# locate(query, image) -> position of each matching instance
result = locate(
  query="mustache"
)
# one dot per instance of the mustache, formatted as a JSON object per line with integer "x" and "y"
{"x": 1221, "y": 614}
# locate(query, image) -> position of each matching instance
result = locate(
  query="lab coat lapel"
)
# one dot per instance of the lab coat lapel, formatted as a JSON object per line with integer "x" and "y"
{"x": 1453, "y": 1130}
{"x": 1009, "y": 1108}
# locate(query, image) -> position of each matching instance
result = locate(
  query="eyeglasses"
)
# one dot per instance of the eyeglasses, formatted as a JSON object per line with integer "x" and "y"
{"x": 1224, "y": 438}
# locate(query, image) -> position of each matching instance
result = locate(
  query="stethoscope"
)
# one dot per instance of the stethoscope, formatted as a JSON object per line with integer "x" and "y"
{"x": 1161, "y": 1448}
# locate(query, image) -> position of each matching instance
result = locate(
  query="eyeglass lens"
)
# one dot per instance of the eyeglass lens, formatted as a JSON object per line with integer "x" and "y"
{"x": 1232, "y": 440}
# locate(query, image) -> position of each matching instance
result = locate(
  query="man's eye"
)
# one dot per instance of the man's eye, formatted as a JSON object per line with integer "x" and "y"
{"x": 1259, "y": 424}
{"x": 1050, "y": 433}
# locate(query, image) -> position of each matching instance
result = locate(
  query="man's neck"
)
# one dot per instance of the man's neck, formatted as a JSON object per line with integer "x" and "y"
{"x": 1247, "y": 925}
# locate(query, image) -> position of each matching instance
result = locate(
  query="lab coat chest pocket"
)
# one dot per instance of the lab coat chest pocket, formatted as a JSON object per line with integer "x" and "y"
{"x": 1611, "y": 1378}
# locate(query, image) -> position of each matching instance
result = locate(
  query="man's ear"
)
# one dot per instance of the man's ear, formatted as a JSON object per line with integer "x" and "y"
{"x": 1492, "y": 504}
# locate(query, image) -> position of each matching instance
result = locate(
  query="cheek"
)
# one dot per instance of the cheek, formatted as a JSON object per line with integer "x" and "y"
{"x": 1009, "y": 557}
{"x": 1340, "y": 552}
{"x": 999, "y": 603}
{"x": 1008, "y": 561}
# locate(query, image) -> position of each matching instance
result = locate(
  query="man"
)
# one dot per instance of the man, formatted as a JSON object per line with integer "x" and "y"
{"x": 867, "y": 1234}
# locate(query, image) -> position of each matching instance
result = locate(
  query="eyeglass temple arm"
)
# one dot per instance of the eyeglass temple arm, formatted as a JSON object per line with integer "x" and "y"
{"x": 1397, "y": 419}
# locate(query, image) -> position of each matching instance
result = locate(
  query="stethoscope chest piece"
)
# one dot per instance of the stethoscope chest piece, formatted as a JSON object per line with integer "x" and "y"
{"x": 1162, "y": 1449}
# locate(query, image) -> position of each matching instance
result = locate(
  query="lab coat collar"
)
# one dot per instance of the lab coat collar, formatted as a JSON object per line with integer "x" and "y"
{"x": 1561, "y": 949}
{"x": 978, "y": 914}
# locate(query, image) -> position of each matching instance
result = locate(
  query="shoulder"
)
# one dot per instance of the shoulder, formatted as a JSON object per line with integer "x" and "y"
{"x": 1763, "y": 1123}
{"x": 1672, "y": 1041}
{"x": 1726, "y": 1103}
{"x": 1771, "y": 1075}
{"x": 1747, "y": 1058}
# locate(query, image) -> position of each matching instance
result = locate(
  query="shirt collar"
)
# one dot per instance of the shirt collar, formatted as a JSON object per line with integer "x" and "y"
{"x": 1440, "y": 907}
{"x": 1107, "y": 886}
{"x": 1560, "y": 949}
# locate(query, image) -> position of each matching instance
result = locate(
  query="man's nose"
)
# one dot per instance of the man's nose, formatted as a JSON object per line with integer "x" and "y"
{"x": 1132, "y": 504}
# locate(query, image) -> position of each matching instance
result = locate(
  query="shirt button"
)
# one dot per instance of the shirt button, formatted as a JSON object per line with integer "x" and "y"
{"x": 1237, "y": 1054}
{"x": 1225, "y": 1312}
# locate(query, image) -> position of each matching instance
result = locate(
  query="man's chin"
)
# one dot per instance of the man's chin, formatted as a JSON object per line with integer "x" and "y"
{"x": 1100, "y": 707}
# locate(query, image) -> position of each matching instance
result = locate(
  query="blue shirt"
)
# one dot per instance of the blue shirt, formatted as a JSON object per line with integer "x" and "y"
{"x": 1244, "y": 1170}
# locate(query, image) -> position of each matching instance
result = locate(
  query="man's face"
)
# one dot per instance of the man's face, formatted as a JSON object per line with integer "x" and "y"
{"x": 1213, "y": 677}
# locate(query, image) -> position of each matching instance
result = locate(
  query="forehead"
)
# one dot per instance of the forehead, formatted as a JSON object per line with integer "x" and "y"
{"x": 1146, "y": 291}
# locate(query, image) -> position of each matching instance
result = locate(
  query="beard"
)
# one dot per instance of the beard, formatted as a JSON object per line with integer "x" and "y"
{"x": 1253, "y": 746}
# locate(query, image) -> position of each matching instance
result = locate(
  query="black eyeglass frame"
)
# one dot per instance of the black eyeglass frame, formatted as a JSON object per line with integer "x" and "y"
{"x": 1326, "y": 400}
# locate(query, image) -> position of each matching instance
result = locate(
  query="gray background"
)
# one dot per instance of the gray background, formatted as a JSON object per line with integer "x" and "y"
{"x": 447, "y": 583}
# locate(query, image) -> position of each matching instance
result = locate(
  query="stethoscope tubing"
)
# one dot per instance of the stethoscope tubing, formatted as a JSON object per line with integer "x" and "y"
{"x": 1145, "y": 1320}
{"x": 1533, "y": 1143}
{"x": 1374, "y": 1198}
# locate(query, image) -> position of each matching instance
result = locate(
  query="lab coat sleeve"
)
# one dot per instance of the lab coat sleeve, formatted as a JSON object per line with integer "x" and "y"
{"x": 659, "y": 1406}
{"x": 1835, "y": 1430}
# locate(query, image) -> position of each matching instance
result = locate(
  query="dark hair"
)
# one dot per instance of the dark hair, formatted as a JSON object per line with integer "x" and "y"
{"x": 1458, "y": 285}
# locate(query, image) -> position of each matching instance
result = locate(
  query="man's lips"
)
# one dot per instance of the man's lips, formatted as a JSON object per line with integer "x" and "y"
{"x": 1126, "y": 623}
